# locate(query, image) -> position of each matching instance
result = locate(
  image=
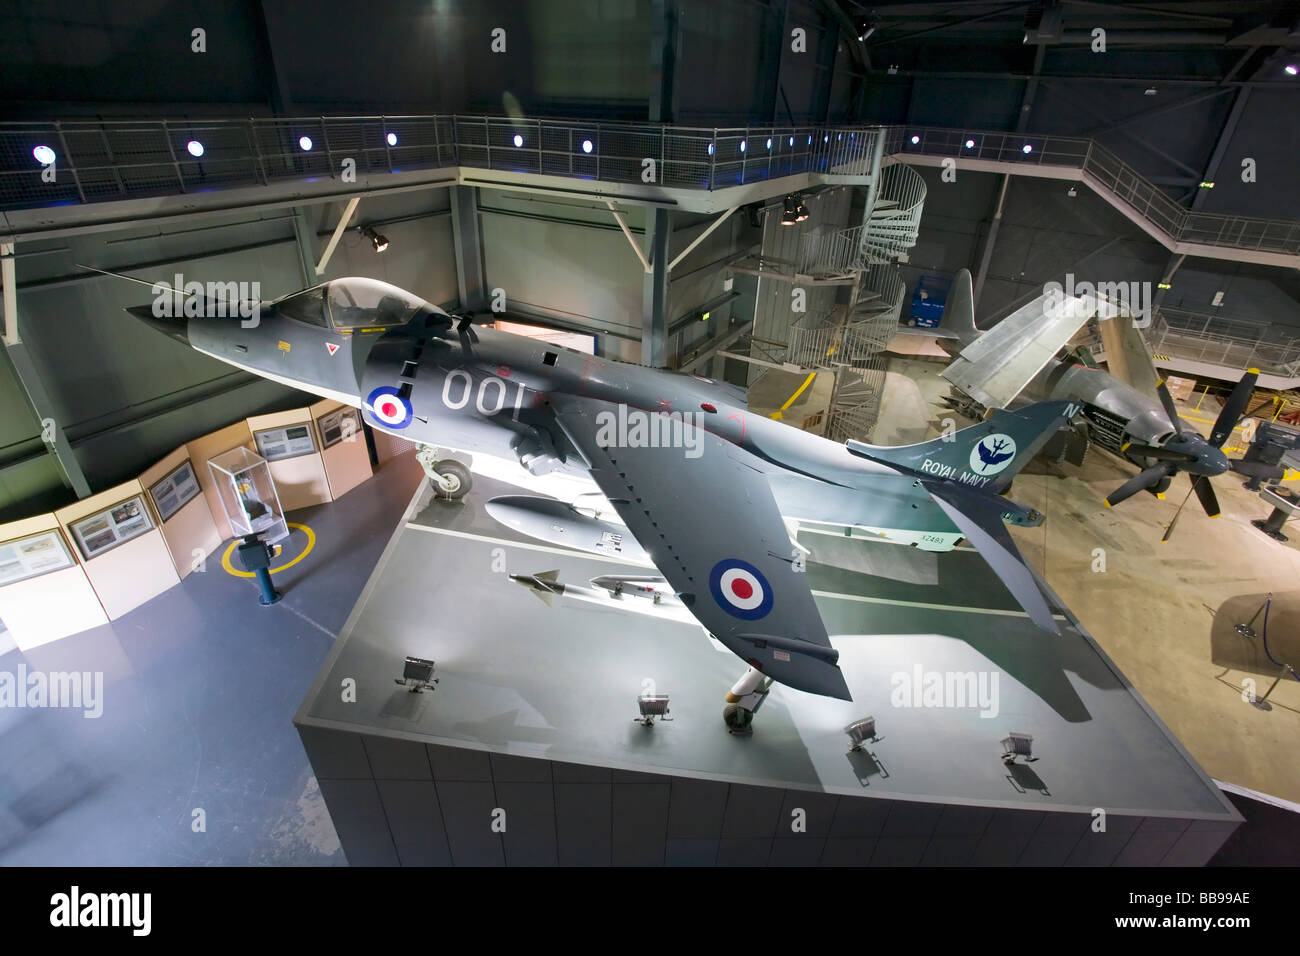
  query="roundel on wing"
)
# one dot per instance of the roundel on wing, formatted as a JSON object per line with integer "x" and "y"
{"x": 388, "y": 407}
{"x": 740, "y": 589}
{"x": 992, "y": 454}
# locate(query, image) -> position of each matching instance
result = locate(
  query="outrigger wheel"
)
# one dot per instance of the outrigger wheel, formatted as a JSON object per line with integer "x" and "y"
{"x": 454, "y": 479}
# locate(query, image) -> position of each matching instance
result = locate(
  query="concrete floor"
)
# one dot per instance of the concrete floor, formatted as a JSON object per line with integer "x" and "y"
{"x": 200, "y": 687}
{"x": 1165, "y": 612}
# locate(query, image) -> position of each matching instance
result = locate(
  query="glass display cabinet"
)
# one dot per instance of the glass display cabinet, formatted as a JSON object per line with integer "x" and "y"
{"x": 248, "y": 494}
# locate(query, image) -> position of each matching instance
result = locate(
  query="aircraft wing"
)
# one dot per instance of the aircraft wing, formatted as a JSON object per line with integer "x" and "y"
{"x": 996, "y": 367}
{"x": 1128, "y": 357}
{"x": 711, "y": 525}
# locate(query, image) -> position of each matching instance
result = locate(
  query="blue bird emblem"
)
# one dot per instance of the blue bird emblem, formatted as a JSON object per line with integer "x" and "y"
{"x": 992, "y": 454}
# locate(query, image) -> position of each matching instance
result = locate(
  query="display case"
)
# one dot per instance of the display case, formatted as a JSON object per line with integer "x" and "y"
{"x": 248, "y": 495}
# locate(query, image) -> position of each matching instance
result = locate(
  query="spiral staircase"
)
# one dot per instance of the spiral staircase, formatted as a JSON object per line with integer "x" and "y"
{"x": 850, "y": 340}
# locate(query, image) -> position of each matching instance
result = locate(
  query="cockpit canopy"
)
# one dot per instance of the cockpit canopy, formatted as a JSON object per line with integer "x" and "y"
{"x": 354, "y": 304}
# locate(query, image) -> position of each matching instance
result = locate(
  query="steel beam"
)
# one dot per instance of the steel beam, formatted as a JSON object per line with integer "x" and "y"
{"x": 337, "y": 234}
{"x": 654, "y": 290}
{"x": 663, "y": 61}
{"x": 467, "y": 240}
{"x": 29, "y": 379}
{"x": 305, "y": 240}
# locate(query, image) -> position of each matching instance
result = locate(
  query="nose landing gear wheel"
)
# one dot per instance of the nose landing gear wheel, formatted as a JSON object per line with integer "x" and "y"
{"x": 454, "y": 479}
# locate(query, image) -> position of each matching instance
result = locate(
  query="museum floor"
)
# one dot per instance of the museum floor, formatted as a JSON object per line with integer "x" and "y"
{"x": 200, "y": 689}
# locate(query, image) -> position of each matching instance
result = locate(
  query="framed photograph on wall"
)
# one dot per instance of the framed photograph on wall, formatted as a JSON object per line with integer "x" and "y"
{"x": 174, "y": 491}
{"x": 106, "y": 529}
{"x": 342, "y": 424}
{"x": 34, "y": 555}
{"x": 288, "y": 442}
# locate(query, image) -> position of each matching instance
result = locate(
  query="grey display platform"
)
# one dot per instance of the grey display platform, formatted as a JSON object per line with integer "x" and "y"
{"x": 527, "y": 752}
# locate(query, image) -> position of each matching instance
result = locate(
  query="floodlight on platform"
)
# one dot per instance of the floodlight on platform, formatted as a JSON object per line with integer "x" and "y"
{"x": 417, "y": 675}
{"x": 518, "y": 140}
{"x": 1291, "y": 69}
{"x": 304, "y": 143}
{"x": 586, "y": 146}
{"x": 194, "y": 148}
{"x": 1018, "y": 745}
{"x": 391, "y": 139}
{"x": 43, "y": 155}
{"x": 652, "y": 706}
{"x": 861, "y": 732}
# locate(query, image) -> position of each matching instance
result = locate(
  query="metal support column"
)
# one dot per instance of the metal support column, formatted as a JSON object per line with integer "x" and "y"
{"x": 467, "y": 239}
{"x": 306, "y": 243}
{"x": 987, "y": 255}
{"x": 29, "y": 379}
{"x": 663, "y": 61}
{"x": 654, "y": 294}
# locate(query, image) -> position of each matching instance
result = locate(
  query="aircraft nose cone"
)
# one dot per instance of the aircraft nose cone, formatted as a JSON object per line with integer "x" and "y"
{"x": 176, "y": 328}
{"x": 1214, "y": 461}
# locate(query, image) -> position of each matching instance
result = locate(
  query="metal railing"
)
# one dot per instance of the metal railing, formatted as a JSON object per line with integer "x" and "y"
{"x": 1229, "y": 343}
{"x": 1108, "y": 172}
{"x": 97, "y": 161}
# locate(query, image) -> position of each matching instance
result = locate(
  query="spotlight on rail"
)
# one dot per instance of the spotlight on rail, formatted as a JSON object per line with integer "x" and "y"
{"x": 519, "y": 140}
{"x": 304, "y": 143}
{"x": 586, "y": 146}
{"x": 915, "y": 139}
{"x": 652, "y": 706}
{"x": 1018, "y": 745}
{"x": 1291, "y": 69}
{"x": 970, "y": 144}
{"x": 1027, "y": 149}
{"x": 861, "y": 732}
{"x": 43, "y": 155}
{"x": 194, "y": 148}
{"x": 391, "y": 139}
{"x": 794, "y": 210}
{"x": 379, "y": 242}
{"x": 417, "y": 675}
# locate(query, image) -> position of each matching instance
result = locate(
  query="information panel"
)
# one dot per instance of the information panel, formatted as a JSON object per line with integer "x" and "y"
{"x": 107, "y": 529}
{"x": 289, "y": 442}
{"x": 36, "y": 554}
{"x": 175, "y": 490}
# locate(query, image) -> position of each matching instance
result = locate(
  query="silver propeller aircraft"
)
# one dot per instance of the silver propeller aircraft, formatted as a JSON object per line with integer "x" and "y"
{"x": 708, "y": 489}
{"x": 1114, "y": 415}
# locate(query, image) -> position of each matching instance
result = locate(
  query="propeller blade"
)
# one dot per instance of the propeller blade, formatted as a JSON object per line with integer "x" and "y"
{"x": 1205, "y": 492}
{"x": 1171, "y": 409}
{"x": 1156, "y": 452}
{"x": 1233, "y": 407}
{"x": 1170, "y": 530}
{"x": 1139, "y": 482}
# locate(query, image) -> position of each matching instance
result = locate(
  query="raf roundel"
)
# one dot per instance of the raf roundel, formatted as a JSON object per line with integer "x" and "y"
{"x": 740, "y": 589}
{"x": 389, "y": 408}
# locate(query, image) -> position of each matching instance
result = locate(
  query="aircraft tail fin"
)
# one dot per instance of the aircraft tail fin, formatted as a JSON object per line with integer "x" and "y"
{"x": 958, "y": 320}
{"x": 984, "y": 456}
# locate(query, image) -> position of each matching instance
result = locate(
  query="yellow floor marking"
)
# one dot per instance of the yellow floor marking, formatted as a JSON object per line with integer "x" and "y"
{"x": 791, "y": 400}
{"x": 230, "y": 568}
